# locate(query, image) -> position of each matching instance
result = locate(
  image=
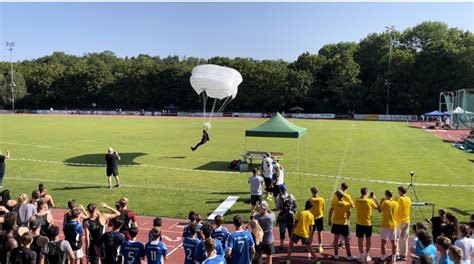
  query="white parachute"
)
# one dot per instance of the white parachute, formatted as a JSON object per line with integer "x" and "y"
{"x": 218, "y": 82}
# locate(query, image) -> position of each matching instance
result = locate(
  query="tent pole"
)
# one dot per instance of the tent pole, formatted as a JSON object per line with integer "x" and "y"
{"x": 298, "y": 154}
{"x": 306, "y": 148}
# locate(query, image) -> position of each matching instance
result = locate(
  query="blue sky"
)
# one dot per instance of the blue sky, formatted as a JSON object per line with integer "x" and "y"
{"x": 258, "y": 30}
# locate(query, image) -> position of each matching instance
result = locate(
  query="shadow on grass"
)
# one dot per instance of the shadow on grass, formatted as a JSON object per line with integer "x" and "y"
{"x": 79, "y": 188}
{"x": 222, "y": 166}
{"x": 449, "y": 141}
{"x": 471, "y": 160}
{"x": 461, "y": 211}
{"x": 93, "y": 160}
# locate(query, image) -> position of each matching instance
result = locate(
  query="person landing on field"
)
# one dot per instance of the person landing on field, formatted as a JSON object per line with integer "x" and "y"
{"x": 205, "y": 137}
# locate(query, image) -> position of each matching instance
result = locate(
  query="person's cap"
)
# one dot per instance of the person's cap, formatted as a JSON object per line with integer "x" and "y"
{"x": 34, "y": 224}
{"x": 283, "y": 188}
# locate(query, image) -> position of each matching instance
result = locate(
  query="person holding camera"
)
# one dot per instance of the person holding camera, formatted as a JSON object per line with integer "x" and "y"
{"x": 112, "y": 158}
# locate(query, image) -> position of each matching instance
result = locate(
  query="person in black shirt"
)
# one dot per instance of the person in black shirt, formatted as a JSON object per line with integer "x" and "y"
{"x": 2, "y": 166}
{"x": 109, "y": 245}
{"x": 204, "y": 139}
{"x": 437, "y": 223}
{"x": 24, "y": 254}
{"x": 112, "y": 158}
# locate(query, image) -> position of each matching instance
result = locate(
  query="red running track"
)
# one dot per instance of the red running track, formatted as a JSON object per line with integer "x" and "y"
{"x": 172, "y": 231}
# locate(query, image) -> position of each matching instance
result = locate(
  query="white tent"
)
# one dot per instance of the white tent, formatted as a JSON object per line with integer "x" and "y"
{"x": 459, "y": 110}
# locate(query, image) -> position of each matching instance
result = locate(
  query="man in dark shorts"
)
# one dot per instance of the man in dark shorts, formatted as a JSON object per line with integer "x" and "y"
{"x": 364, "y": 207}
{"x": 339, "y": 216}
{"x": 112, "y": 158}
{"x": 256, "y": 183}
{"x": 303, "y": 230}
{"x": 2, "y": 166}
{"x": 204, "y": 139}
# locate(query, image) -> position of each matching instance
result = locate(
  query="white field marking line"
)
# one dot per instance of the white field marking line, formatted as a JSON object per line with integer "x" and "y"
{"x": 223, "y": 207}
{"x": 174, "y": 250}
{"x": 146, "y": 223}
{"x": 343, "y": 158}
{"x": 28, "y": 145}
{"x": 138, "y": 165}
{"x": 429, "y": 152}
{"x": 124, "y": 185}
{"x": 228, "y": 172}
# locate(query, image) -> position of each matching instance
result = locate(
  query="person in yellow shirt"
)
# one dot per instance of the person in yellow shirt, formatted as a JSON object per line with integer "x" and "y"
{"x": 364, "y": 207}
{"x": 403, "y": 222}
{"x": 389, "y": 209}
{"x": 339, "y": 215}
{"x": 303, "y": 230}
{"x": 317, "y": 210}
{"x": 347, "y": 197}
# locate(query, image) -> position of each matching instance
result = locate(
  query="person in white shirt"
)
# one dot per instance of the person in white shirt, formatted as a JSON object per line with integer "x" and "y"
{"x": 466, "y": 244}
{"x": 267, "y": 171}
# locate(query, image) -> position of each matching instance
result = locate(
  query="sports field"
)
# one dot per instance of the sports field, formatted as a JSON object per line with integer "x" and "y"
{"x": 162, "y": 176}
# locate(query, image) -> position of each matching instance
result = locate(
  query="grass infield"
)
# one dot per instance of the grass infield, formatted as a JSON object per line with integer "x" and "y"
{"x": 162, "y": 176}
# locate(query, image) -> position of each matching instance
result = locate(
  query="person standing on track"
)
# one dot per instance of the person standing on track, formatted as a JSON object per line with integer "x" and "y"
{"x": 156, "y": 251}
{"x": 339, "y": 216}
{"x": 403, "y": 222}
{"x": 389, "y": 209}
{"x": 364, "y": 207}
{"x": 94, "y": 227}
{"x": 112, "y": 158}
{"x": 240, "y": 244}
{"x": 190, "y": 243}
{"x": 317, "y": 209}
{"x": 133, "y": 251}
{"x": 3, "y": 166}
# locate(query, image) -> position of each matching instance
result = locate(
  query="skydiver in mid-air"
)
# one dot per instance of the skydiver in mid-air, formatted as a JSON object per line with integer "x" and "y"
{"x": 204, "y": 139}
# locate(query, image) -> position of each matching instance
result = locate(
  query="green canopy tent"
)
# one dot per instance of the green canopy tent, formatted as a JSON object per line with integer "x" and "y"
{"x": 279, "y": 127}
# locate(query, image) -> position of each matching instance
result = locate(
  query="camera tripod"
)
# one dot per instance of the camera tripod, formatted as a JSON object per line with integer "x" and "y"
{"x": 412, "y": 188}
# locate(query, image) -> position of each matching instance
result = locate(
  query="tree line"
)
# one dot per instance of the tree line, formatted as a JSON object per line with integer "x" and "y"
{"x": 425, "y": 60}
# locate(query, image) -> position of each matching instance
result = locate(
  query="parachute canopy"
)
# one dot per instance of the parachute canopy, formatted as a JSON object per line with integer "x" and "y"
{"x": 217, "y": 82}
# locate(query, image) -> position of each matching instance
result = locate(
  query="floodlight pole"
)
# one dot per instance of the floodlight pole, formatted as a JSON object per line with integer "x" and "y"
{"x": 10, "y": 46}
{"x": 390, "y": 30}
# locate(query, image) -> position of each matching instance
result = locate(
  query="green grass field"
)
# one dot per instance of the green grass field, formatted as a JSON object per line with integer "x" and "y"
{"x": 173, "y": 181}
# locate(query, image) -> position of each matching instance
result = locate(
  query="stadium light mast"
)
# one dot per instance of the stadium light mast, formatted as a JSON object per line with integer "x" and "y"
{"x": 10, "y": 46}
{"x": 389, "y": 30}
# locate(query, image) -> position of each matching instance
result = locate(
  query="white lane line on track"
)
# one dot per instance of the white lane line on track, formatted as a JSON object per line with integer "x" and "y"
{"x": 174, "y": 250}
{"x": 221, "y": 172}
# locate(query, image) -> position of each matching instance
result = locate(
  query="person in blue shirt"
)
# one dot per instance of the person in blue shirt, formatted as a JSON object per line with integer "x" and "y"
{"x": 426, "y": 240}
{"x": 156, "y": 222}
{"x": 200, "y": 254}
{"x": 442, "y": 245}
{"x": 133, "y": 251}
{"x": 240, "y": 244}
{"x": 220, "y": 233}
{"x": 190, "y": 243}
{"x": 156, "y": 251}
{"x": 212, "y": 256}
{"x": 192, "y": 219}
